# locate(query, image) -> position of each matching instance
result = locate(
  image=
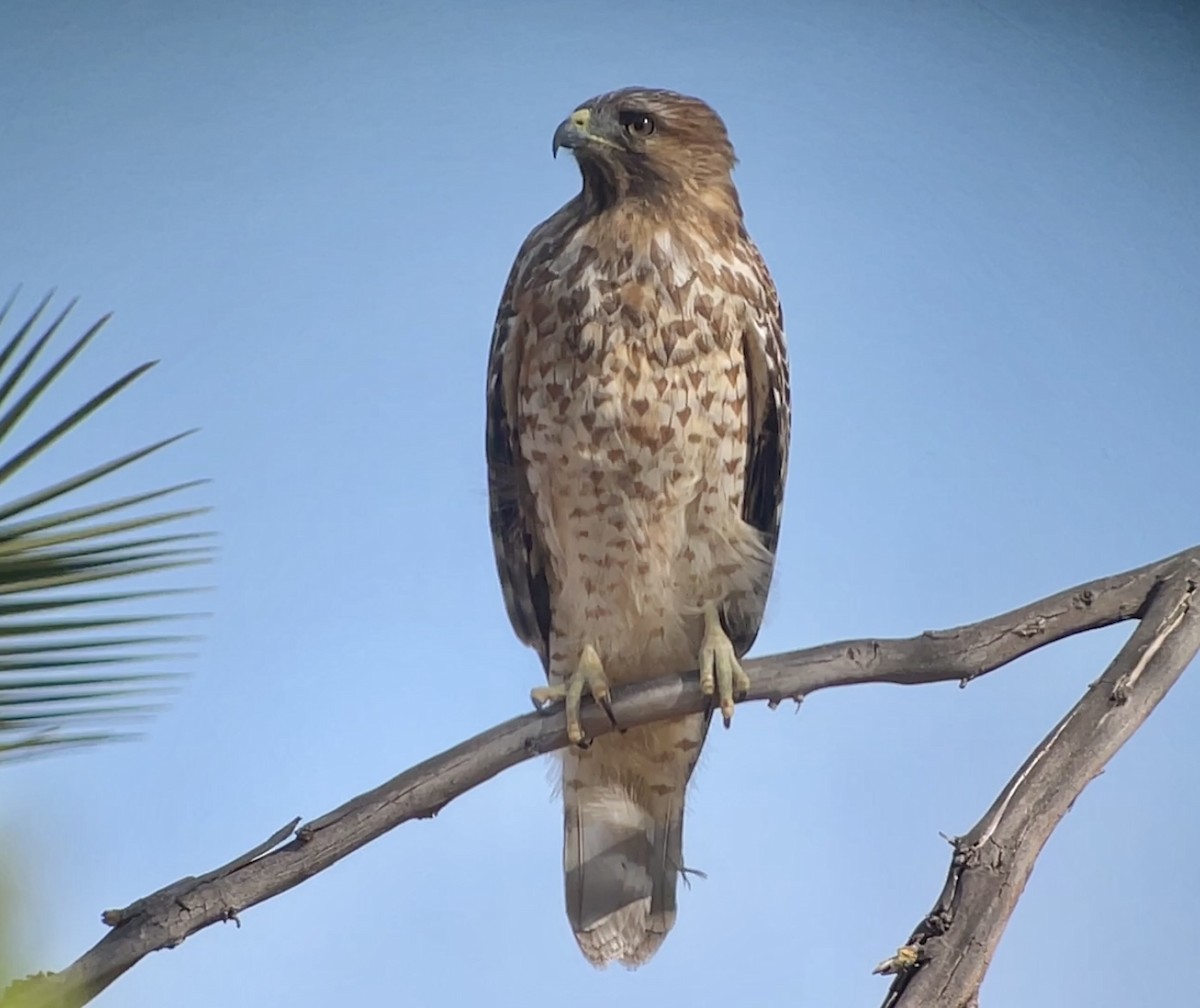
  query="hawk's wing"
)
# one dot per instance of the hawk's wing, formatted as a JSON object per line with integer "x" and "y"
{"x": 520, "y": 556}
{"x": 769, "y": 402}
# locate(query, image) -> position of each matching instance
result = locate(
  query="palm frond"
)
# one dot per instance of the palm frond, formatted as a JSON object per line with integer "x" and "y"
{"x": 67, "y": 680}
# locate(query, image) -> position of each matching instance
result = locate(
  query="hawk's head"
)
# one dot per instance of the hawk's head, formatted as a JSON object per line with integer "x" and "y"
{"x": 647, "y": 144}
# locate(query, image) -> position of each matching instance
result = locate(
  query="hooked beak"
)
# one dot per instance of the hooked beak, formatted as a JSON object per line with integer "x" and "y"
{"x": 572, "y": 132}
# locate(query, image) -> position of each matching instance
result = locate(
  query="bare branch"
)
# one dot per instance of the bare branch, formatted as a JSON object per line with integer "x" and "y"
{"x": 949, "y": 952}
{"x": 167, "y": 917}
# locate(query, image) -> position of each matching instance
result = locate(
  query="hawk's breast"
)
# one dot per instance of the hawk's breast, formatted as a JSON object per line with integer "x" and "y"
{"x": 633, "y": 426}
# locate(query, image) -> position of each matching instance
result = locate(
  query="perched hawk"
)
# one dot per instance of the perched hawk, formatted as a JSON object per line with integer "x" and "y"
{"x": 637, "y": 442}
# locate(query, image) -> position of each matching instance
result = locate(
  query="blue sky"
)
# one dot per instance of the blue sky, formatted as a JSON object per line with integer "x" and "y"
{"x": 984, "y": 222}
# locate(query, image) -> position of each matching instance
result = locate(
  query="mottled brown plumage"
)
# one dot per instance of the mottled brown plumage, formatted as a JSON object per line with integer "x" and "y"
{"x": 637, "y": 444}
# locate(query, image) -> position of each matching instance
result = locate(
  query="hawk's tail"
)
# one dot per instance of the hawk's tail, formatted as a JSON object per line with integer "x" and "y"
{"x": 623, "y": 837}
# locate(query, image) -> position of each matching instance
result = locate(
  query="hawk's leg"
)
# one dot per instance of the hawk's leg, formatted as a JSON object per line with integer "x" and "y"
{"x": 587, "y": 677}
{"x": 720, "y": 671}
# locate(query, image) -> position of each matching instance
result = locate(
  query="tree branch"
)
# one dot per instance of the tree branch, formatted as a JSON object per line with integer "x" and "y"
{"x": 946, "y": 957}
{"x": 1144, "y": 670}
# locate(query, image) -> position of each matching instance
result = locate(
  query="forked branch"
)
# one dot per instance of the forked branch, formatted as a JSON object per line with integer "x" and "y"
{"x": 946, "y": 957}
{"x": 952, "y": 946}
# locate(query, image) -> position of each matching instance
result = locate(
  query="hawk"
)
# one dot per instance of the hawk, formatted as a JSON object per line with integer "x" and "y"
{"x": 637, "y": 436}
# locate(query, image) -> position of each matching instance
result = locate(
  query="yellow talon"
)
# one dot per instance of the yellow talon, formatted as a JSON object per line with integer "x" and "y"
{"x": 720, "y": 671}
{"x": 589, "y": 676}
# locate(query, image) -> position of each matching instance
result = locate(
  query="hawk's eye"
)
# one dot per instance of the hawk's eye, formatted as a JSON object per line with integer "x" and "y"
{"x": 637, "y": 123}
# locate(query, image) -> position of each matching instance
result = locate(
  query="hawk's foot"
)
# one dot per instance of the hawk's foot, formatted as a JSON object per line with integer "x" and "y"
{"x": 720, "y": 671}
{"x": 587, "y": 677}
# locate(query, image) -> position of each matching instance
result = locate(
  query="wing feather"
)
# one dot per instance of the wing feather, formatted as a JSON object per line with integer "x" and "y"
{"x": 520, "y": 554}
{"x": 768, "y": 393}
{"x": 770, "y": 422}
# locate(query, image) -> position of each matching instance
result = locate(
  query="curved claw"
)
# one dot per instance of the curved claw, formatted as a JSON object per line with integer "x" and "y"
{"x": 588, "y": 677}
{"x": 720, "y": 671}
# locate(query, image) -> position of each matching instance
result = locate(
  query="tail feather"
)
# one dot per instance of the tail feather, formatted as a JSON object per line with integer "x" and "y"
{"x": 623, "y": 838}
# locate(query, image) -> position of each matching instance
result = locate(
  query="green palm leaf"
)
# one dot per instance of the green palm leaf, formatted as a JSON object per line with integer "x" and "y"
{"x": 67, "y": 655}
